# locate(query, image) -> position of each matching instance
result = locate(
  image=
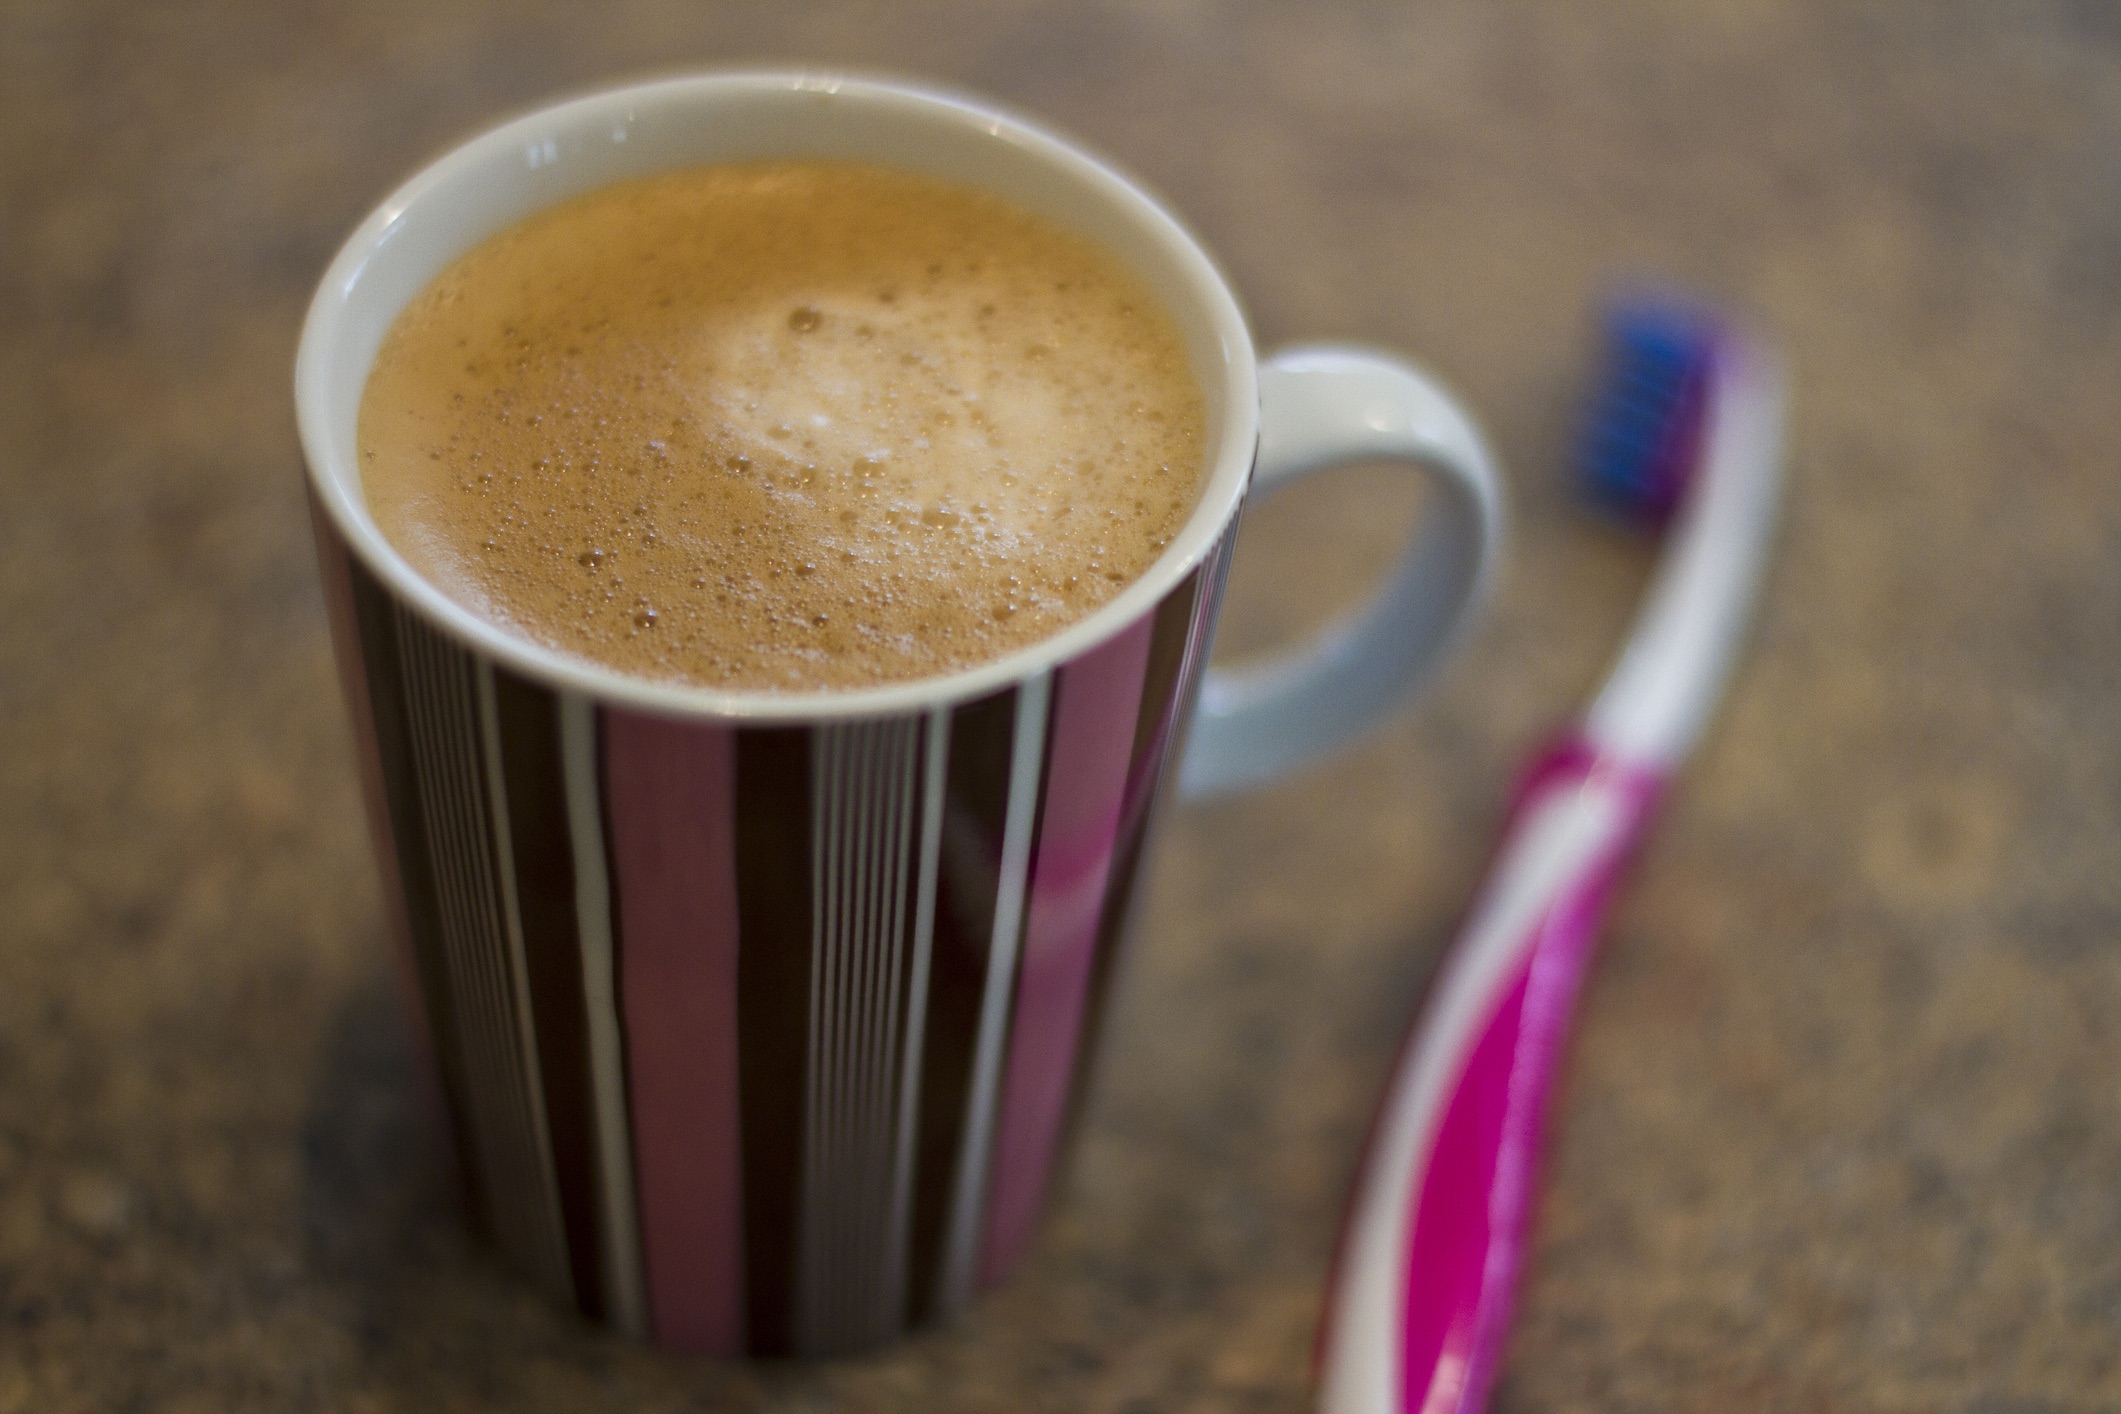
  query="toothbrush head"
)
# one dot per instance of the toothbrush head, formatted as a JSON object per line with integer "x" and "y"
{"x": 1643, "y": 429}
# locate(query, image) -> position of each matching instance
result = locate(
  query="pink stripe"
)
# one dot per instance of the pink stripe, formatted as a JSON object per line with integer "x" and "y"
{"x": 1474, "y": 1212}
{"x": 337, "y": 574}
{"x": 1096, "y": 702}
{"x": 1453, "y": 1242}
{"x": 671, "y": 792}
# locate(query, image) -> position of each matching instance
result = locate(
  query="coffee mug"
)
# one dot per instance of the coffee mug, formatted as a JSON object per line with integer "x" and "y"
{"x": 759, "y": 1017}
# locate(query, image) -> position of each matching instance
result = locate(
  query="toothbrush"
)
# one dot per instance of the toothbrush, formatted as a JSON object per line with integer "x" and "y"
{"x": 1687, "y": 426}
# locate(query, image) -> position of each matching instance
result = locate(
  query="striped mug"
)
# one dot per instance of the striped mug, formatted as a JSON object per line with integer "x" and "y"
{"x": 759, "y": 1017}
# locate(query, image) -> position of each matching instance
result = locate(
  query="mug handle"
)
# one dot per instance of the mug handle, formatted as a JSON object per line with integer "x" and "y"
{"x": 1324, "y": 405}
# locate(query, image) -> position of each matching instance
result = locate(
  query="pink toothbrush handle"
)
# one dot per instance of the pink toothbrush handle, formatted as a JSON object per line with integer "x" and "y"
{"x": 1447, "y": 1186}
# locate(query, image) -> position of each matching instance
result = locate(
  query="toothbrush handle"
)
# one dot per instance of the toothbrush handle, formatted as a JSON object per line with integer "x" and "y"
{"x": 1428, "y": 1268}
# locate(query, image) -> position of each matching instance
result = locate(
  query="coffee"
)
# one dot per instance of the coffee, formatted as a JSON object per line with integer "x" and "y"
{"x": 783, "y": 426}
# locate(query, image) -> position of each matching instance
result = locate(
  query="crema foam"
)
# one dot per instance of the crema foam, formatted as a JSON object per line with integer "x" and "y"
{"x": 783, "y": 426}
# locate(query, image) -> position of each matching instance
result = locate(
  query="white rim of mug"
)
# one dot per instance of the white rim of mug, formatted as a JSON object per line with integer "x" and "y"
{"x": 330, "y": 467}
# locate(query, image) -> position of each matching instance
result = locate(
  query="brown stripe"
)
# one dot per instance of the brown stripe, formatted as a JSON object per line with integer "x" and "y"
{"x": 528, "y": 719}
{"x": 773, "y": 1015}
{"x": 968, "y": 873}
{"x": 335, "y": 569}
{"x": 1200, "y": 644}
{"x": 1154, "y": 727}
{"x": 1161, "y": 688}
{"x": 376, "y": 620}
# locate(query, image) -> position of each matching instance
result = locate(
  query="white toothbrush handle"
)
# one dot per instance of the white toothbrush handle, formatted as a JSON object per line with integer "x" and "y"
{"x": 1659, "y": 695}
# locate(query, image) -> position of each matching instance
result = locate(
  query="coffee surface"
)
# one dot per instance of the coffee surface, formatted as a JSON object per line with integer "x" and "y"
{"x": 784, "y": 426}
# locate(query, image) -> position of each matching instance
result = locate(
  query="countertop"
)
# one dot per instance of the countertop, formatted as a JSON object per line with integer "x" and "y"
{"x": 1840, "y": 1128}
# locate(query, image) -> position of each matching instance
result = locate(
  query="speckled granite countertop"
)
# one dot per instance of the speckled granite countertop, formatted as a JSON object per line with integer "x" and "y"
{"x": 1842, "y": 1127}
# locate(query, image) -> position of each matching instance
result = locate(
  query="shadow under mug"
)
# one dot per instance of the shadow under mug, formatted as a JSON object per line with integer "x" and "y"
{"x": 759, "y": 1018}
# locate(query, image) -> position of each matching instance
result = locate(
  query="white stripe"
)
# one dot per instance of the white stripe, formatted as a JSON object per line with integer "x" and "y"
{"x": 446, "y": 854}
{"x": 858, "y": 765}
{"x": 625, "y": 1301}
{"x": 968, "y": 1192}
{"x": 479, "y": 949}
{"x": 881, "y": 1312}
{"x": 439, "y": 713}
{"x": 935, "y": 767}
{"x": 857, "y": 917}
{"x": 1200, "y": 640}
{"x": 865, "y": 940}
{"x": 824, "y": 898}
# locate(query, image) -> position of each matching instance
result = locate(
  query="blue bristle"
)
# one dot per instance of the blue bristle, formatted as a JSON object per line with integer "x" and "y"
{"x": 1637, "y": 441}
